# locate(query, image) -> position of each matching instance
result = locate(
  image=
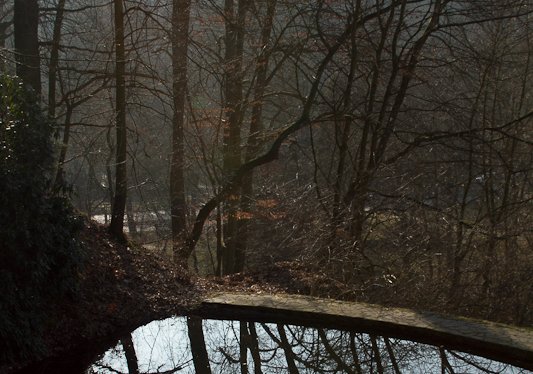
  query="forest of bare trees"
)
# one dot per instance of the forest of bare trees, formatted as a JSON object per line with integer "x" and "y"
{"x": 386, "y": 144}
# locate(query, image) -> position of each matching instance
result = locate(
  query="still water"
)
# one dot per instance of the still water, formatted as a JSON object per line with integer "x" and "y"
{"x": 193, "y": 345}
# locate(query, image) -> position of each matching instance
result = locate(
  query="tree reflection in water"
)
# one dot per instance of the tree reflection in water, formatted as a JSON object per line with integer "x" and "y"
{"x": 192, "y": 345}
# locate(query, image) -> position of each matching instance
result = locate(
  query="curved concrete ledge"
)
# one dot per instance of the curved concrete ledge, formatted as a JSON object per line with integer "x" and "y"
{"x": 503, "y": 343}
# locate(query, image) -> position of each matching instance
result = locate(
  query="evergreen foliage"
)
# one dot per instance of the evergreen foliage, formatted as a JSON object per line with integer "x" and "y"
{"x": 39, "y": 252}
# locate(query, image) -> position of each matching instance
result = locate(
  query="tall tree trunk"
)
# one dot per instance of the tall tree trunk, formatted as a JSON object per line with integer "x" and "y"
{"x": 253, "y": 145}
{"x": 4, "y": 25}
{"x": 220, "y": 250}
{"x": 121, "y": 179}
{"x": 26, "y": 23}
{"x": 130, "y": 214}
{"x": 234, "y": 41}
{"x": 290, "y": 356}
{"x": 355, "y": 354}
{"x": 342, "y": 132}
{"x": 243, "y": 345}
{"x": 254, "y": 348}
{"x": 198, "y": 348}
{"x": 54, "y": 59}
{"x": 392, "y": 357}
{"x": 59, "y": 181}
{"x": 376, "y": 354}
{"x": 180, "y": 39}
{"x": 131, "y": 356}
{"x": 108, "y": 167}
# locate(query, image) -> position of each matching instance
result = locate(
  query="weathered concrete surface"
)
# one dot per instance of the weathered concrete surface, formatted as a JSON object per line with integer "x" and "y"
{"x": 500, "y": 342}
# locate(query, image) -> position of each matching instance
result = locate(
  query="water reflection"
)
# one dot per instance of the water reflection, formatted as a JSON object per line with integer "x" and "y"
{"x": 192, "y": 345}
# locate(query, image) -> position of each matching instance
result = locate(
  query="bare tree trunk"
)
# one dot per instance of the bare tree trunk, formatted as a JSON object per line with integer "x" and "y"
{"x": 4, "y": 25}
{"x": 108, "y": 165}
{"x": 52, "y": 80}
{"x": 198, "y": 349}
{"x": 355, "y": 354}
{"x": 130, "y": 214}
{"x": 180, "y": 39}
{"x": 220, "y": 245}
{"x": 59, "y": 178}
{"x": 376, "y": 354}
{"x": 121, "y": 178}
{"x": 131, "y": 356}
{"x": 26, "y": 23}
{"x": 342, "y": 131}
{"x": 289, "y": 354}
{"x": 253, "y": 145}
{"x": 234, "y": 41}
{"x": 392, "y": 357}
{"x": 54, "y": 59}
{"x": 254, "y": 348}
{"x": 243, "y": 347}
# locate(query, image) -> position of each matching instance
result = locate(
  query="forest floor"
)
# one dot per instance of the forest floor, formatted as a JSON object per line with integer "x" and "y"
{"x": 124, "y": 286}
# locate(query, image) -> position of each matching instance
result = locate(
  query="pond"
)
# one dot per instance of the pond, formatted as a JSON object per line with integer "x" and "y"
{"x": 194, "y": 345}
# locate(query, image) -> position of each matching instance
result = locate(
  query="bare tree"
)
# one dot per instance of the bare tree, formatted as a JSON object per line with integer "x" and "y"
{"x": 116, "y": 226}
{"x": 26, "y": 23}
{"x": 180, "y": 39}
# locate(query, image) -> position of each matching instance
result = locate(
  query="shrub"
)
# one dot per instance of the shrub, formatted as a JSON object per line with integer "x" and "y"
{"x": 39, "y": 252}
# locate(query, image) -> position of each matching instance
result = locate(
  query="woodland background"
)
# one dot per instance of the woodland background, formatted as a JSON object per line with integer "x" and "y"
{"x": 386, "y": 144}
